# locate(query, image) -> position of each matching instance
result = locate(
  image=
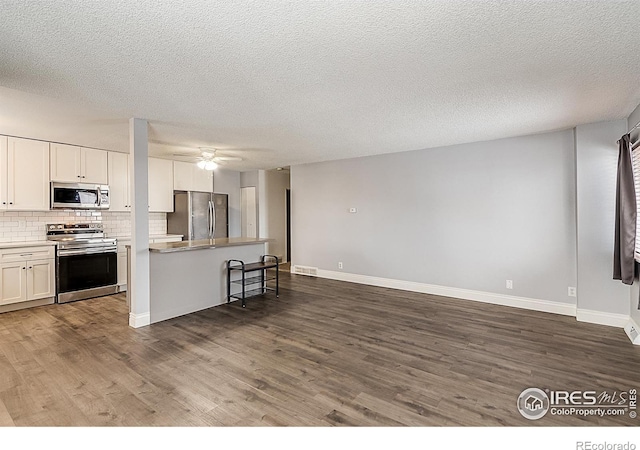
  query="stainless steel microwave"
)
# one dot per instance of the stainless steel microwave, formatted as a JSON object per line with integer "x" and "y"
{"x": 79, "y": 196}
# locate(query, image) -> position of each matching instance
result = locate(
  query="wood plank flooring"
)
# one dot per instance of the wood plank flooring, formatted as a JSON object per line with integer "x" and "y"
{"x": 324, "y": 353}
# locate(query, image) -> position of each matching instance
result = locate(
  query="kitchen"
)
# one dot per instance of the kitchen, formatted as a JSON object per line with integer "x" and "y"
{"x": 51, "y": 192}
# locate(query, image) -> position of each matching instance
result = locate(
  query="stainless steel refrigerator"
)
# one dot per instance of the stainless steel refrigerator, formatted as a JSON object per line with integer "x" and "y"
{"x": 199, "y": 215}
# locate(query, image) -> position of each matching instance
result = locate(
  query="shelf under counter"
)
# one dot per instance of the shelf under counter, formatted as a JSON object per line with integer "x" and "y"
{"x": 189, "y": 276}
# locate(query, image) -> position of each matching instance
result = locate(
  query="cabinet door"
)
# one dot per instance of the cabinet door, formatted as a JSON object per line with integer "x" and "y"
{"x": 4, "y": 202}
{"x": 182, "y": 174}
{"x": 118, "y": 169}
{"x": 13, "y": 284}
{"x": 28, "y": 175}
{"x": 65, "y": 163}
{"x": 189, "y": 177}
{"x": 40, "y": 279}
{"x": 160, "y": 185}
{"x": 94, "y": 166}
{"x": 202, "y": 179}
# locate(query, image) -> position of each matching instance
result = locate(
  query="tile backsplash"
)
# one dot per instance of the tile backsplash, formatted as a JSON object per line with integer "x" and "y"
{"x": 30, "y": 226}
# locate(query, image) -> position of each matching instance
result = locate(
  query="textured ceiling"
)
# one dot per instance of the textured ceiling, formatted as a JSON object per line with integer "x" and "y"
{"x": 287, "y": 82}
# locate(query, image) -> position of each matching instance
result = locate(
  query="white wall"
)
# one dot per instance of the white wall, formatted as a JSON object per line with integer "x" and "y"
{"x": 468, "y": 216}
{"x": 276, "y": 185}
{"x": 634, "y": 311}
{"x": 596, "y": 162}
{"x": 228, "y": 182}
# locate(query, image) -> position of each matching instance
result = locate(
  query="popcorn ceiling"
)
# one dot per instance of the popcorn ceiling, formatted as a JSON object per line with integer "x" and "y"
{"x": 281, "y": 83}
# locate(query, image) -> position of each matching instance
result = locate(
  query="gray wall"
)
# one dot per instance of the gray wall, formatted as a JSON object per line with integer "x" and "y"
{"x": 596, "y": 163}
{"x": 468, "y": 216}
{"x": 249, "y": 178}
{"x": 228, "y": 182}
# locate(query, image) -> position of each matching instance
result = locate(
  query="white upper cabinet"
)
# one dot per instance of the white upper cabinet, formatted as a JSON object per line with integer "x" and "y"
{"x": 160, "y": 185}
{"x": 94, "y": 166}
{"x": 119, "y": 192}
{"x": 73, "y": 164}
{"x": 189, "y": 177}
{"x": 24, "y": 174}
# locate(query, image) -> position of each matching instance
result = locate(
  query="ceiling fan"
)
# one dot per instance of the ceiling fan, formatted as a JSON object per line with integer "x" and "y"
{"x": 209, "y": 158}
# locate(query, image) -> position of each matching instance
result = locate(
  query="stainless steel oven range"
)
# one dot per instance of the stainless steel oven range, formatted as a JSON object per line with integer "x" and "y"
{"x": 86, "y": 261}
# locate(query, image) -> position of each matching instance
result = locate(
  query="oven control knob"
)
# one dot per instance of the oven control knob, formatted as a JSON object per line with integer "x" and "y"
{"x": 60, "y": 227}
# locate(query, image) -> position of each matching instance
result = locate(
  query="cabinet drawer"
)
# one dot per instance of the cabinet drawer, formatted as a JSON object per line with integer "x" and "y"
{"x": 26, "y": 253}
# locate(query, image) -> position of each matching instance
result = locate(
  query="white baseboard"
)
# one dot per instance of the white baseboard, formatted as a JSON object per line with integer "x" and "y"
{"x": 633, "y": 331}
{"x": 565, "y": 309}
{"x": 602, "y": 318}
{"x": 139, "y": 320}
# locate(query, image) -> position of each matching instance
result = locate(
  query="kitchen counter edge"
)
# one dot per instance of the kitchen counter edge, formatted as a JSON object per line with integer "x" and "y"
{"x": 6, "y": 245}
{"x": 182, "y": 246}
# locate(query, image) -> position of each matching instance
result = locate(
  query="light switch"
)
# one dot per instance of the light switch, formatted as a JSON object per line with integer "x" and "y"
{"x": 353, "y": 210}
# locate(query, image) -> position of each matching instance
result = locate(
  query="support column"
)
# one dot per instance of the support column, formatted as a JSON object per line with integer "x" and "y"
{"x": 139, "y": 314}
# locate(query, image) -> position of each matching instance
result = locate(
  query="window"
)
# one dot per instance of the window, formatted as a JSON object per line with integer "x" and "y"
{"x": 635, "y": 162}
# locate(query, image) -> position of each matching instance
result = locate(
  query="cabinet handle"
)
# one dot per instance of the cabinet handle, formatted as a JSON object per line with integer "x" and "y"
{"x": 11, "y": 203}
{"x": 30, "y": 267}
{"x": 23, "y": 268}
{"x": 83, "y": 176}
{"x": 4, "y": 203}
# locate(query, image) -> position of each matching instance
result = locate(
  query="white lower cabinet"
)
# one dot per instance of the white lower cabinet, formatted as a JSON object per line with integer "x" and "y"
{"x": 41, "y": 276}
{"x": 26, "y": 274}
{"x": 13, "y": 283}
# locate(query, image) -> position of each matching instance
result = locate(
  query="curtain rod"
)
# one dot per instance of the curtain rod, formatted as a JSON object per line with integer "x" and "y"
{"x": 634, "y": 127}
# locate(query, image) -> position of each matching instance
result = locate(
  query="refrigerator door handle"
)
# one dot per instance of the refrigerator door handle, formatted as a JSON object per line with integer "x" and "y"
{"x": 211, "y": 220}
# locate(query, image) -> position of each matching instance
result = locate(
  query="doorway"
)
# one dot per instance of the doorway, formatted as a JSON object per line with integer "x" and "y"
{"x": 248, "y": 212}
{"x": 288, "y": 222}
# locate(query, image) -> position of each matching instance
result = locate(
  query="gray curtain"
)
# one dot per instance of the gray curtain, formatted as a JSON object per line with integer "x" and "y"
{"x": 625, "y": 235}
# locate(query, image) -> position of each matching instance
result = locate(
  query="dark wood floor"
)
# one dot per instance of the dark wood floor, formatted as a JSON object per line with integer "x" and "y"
{"x": 324, "y": 353}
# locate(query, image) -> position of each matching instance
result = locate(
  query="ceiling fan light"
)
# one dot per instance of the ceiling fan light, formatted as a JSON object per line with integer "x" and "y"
{"x": 202, "y": 164}
{"x": 210, "y": 165}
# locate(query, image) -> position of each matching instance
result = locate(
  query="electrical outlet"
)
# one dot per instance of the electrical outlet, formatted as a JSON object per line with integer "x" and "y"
{"x": 340, "y": 265}
{"x": 509, "y": 284}
{"x": 22, "y": 224}
{"x": 353, "y": 210}
{"x": 571, "y": 292}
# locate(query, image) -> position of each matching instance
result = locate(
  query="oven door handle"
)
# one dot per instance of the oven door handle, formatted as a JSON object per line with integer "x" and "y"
{"x": 86, "y": 252}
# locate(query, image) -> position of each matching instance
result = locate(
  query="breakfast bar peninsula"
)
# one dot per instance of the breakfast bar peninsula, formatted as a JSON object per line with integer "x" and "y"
{"x": 189, "y": 276}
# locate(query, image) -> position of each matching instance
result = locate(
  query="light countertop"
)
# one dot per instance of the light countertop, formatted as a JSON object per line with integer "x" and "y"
{"x": 170, "y": 247}
{"x": 25, "y": 244}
